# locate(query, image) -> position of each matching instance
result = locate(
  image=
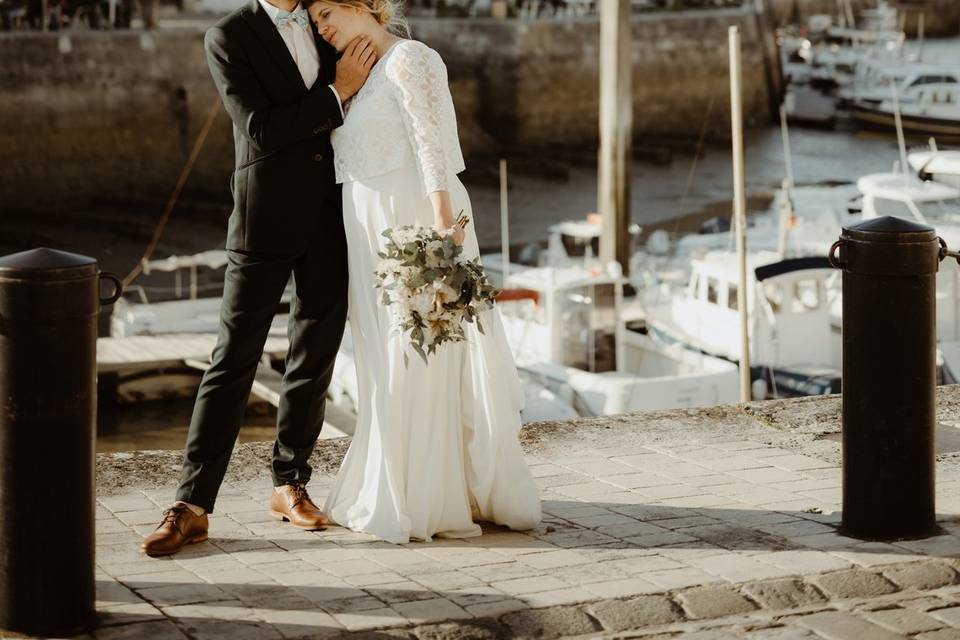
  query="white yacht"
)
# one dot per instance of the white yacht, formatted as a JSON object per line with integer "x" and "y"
{"x": 927, "y": 109}
{"x": 938, "y": 166}
{"x": 793, "y": 347}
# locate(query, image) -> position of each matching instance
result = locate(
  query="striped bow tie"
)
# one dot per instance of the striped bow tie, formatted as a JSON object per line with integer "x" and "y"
{"x": 285, "y": 17}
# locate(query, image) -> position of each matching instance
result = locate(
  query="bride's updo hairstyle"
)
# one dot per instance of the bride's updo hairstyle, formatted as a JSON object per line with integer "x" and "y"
{"x": 387, "y": 13}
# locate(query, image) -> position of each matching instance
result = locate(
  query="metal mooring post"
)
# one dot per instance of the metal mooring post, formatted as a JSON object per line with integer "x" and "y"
{"x": 48, "y": 331}
{"x": 889, "y": 377}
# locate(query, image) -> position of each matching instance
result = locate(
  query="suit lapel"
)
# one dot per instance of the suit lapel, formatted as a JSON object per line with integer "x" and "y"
{"x": 272, "y": 41}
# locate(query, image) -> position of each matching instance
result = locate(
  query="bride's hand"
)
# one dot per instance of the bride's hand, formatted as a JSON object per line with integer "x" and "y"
{"x": 455, "y": 230}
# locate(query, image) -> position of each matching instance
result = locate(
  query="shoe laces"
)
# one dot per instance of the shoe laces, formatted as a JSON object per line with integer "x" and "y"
{"x": 300, "y": 494}
{"x": 172, "y": 515}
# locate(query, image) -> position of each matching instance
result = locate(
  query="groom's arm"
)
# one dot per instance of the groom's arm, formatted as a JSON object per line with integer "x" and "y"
{"x": 269, "y": 126}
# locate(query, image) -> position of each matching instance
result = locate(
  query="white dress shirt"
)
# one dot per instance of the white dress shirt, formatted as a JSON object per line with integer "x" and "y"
{"x": 301, "y": 46}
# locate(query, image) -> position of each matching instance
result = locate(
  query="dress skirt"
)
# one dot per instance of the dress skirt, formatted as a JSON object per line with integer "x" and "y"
{"x": 435, "y": 448}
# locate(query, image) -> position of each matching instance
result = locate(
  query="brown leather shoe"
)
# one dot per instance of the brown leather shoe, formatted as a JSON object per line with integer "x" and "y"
{"x": 179, "y": 527}
{"x": 292, "y": 504}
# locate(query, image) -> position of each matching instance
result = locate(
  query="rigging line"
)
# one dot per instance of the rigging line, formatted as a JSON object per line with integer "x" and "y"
{"x": 693, "y": 166}
{"x": 172, "y": 201}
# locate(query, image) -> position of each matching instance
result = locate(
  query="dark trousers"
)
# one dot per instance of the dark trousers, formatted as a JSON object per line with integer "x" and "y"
{"x": 253, "y": 286}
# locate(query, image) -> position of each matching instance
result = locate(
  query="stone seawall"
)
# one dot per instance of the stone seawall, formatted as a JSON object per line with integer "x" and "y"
{"x": 96, "y": 117}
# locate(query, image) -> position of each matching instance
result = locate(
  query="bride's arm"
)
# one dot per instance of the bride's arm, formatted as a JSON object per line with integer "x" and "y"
{"x": 419, "y": 78}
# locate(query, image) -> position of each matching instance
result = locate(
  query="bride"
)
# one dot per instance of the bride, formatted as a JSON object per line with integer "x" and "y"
{"x": 435, "y": 448}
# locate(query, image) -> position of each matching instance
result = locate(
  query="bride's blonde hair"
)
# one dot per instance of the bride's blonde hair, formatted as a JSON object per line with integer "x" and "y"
{"x": 387, "y": 13}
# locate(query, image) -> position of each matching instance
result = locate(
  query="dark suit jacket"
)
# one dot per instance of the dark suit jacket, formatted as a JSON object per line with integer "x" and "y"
{"x": 283, "y": 185}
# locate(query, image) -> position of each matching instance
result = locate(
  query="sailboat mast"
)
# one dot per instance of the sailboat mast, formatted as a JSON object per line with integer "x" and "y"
{"x": 739, "y": 207}
{"x": 616, "y": 125}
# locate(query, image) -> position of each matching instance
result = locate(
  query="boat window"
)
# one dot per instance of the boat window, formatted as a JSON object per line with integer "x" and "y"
{"x": 941, "y": 210}
{"x": 774, "y": 295}
{"x": 806, "y": 296}
{"x": 885, "y": 207}
{"x": 732, "y": 296}
{"x": 713, "y": 290}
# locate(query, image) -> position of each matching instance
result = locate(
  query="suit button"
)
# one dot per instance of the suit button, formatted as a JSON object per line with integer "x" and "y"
{"x": 317, "y": 130}
{"x": 318, "y": 157}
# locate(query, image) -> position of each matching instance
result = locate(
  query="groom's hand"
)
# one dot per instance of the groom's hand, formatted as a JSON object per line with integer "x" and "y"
{"x": 354, "y": 67}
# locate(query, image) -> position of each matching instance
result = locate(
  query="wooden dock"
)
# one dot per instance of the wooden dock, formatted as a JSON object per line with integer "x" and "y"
{"x": 129, "y": 356}
{"x": 147, "y": 353}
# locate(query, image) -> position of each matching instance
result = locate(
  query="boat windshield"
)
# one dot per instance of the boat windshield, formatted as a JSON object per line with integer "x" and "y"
{"x": 947, "y": 210}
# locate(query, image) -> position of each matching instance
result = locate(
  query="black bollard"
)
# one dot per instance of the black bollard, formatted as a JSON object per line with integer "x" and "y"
{"x": 889, "y": 376}
{"x": 48, "y": 329}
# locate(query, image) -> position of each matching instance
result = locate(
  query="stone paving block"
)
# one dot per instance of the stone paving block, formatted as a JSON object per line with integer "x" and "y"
{"x": 129, "y": 502}
{"x": 544, "y": 470}
{"x": 923, "y": 603}
{"x": 923, "y": 576}
{"x": 714, "y": 601}
{"x": 588, "y": 573}
{"x": 661, "y": 539}
{"x": 805, "y": 561}
{"x": 941, "y": 634}
{"x": 736, "y": 567}
{"x": 640, "y": 565}
{"x": 354, "y": 567}
{"x": 950, "y": 615}
{"x": 826, "y": 541}
{"x": 406, "y": 591}
{"x": 625, "y": 587}
{"x": 494, "y": 608}
{"x": 434, "y": 610}
{"x": 787, "y": 593}
{"x": 765, "y": 475}
{"x": 233, "y": 629}
{"x": 711, "y": 634}
{"x": 504, "y": 571}
{"x": 600, "y": 469}
{"x": 159, "y": 630}
{"x": 446, "y": 580}
{"x": 782, "y": 633}
{"x": 944, "y": 545}
{"x": 681, "y": 578}
{"x": 553, "y": 559}
{"x": 550, "y": 623}
{"x": 853, "y": 583}
{"x": 840, "y": 625}
{"x": 314, "y": 624}
{"x": 638, "y": 480}
{"x": 177, "y": 594}
{"x": 903, "y": 620}
{"x": 583, "y": 489}
{"x": 522, "y": 586}
{"x": 369, "y": 619}
{"x": 570, "y": 595}
{"x": 636, "y": 613}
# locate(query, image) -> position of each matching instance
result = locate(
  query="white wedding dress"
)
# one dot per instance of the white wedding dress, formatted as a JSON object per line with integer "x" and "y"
{"x": 435, "y": 448}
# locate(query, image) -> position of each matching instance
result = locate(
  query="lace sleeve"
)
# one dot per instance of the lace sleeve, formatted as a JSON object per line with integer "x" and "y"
{"x": 419, "y": 78}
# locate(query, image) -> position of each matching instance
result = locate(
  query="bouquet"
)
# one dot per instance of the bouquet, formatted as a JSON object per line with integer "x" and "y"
{"x": 430, "y": 289}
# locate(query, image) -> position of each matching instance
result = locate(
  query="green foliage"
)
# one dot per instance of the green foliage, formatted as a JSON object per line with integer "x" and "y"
{"x": 430, "y": 288}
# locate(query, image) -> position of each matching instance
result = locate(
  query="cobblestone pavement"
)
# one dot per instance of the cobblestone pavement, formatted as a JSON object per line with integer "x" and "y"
{"x": 710, "y": 537}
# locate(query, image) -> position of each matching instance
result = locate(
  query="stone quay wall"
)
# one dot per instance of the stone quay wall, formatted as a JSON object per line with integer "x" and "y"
{"x": 90, "y": 118}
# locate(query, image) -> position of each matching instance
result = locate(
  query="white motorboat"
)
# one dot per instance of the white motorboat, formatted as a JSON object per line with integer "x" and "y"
{"x": 793, "y": 347}
{"x": 928, "y": 109}
{"x": 938, "y": 166}
{"x": 931, "y": 203}
{"x": 573, "y": 333}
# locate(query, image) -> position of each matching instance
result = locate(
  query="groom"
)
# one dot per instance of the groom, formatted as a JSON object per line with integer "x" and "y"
{"x": 284, "y": 89}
